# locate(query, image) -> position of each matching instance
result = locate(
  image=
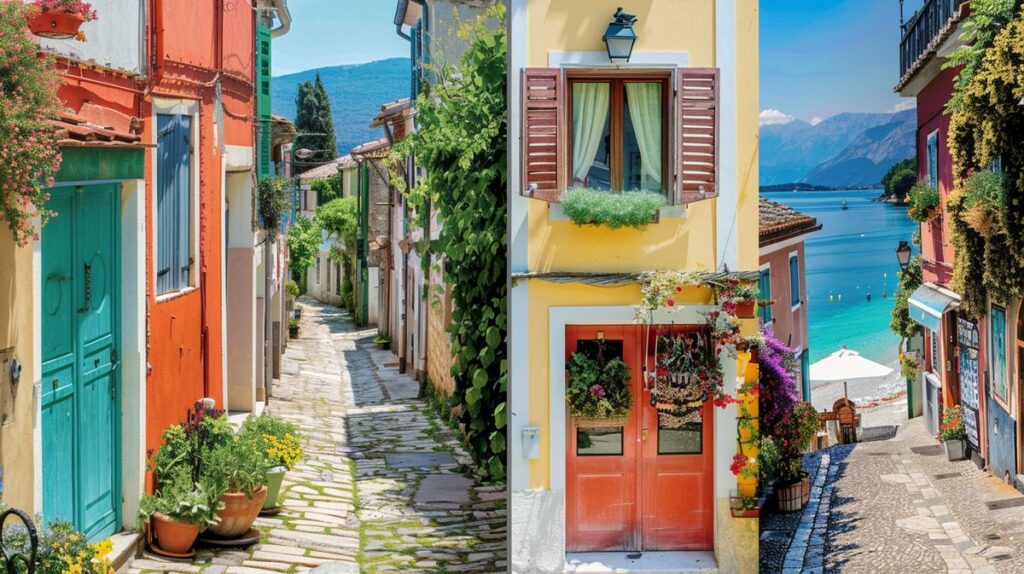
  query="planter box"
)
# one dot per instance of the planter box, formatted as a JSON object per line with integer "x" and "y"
{"x": 956, "y": 449}
{"x": 746, "y": 309}
{"x": 737, "y": 509}
{"x": 56, "y": 25}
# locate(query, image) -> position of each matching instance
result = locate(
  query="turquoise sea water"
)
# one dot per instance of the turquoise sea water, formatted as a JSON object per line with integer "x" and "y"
{"x": 854, "y": 254}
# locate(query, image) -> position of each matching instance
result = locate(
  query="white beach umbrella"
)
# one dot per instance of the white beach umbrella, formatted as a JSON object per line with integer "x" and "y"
{"x": 848, "y": 366}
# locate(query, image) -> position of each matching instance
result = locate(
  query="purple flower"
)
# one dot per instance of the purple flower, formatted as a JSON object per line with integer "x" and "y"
{"x": 597, "y": 391}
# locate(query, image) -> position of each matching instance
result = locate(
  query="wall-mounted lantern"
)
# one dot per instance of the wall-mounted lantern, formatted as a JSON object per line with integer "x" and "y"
{"x": 620, "y": 37}
{"x": 903, "y": 255}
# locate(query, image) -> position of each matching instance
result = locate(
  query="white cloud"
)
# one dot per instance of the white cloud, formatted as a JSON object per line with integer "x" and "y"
{"x": 817, "y": 120}
{"x": 907, "y": 104}
{"x": 772, "y": 117}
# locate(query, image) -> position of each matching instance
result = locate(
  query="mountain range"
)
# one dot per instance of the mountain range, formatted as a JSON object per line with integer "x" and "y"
{"x": 356, "y": 91}
{"x": 849, "y": 149}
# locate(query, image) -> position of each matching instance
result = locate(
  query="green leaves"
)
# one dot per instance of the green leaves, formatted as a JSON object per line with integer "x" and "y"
{"x": 461, "y": 142}
{"x": 303, "y": 243}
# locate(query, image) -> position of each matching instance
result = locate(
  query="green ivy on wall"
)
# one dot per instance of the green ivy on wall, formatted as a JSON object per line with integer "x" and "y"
{"x": 461, "y": 143}
{"x": 986, "y": 133}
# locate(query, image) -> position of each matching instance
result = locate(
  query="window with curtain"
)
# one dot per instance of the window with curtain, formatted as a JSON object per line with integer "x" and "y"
{"x": 618, "y": 130}
{"x": 173, "y": 202}
{"x": 764, "y": 287}
{"x": 998, "y": 322}
{"x": 794, "y": 279}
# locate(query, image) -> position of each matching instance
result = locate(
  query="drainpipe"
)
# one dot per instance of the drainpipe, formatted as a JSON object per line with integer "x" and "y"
{"x": 284, "y": 16}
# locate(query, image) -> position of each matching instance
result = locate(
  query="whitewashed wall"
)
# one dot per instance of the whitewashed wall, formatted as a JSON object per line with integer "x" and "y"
{"x": 114, "y": 39}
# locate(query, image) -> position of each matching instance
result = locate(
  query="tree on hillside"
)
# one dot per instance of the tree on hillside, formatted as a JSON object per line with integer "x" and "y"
{"x": 315, "y": 125}
{"x": 899, "y": 179}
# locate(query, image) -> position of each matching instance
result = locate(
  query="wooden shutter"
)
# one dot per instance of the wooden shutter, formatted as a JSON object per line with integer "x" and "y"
{"x": 543, "y": 133}
{"x": 166, "y": 202}
{"x": 184, "y": 192}
{"x": 697, "y": 105}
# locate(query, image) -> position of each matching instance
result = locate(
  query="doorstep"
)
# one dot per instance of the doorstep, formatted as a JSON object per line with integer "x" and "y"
{"x": 702, "y": 562}
{"x": 127, "y": 546}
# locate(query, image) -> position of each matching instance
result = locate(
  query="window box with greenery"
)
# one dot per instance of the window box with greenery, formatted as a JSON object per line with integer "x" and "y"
{"x": 952, "y": 433}
{"x": 61, "y": 19}
{"x": 279, "y": 440}
{"x": 923, "y": 202}
{"x": 598, "y": 390}
{"x": 635, "y": 209}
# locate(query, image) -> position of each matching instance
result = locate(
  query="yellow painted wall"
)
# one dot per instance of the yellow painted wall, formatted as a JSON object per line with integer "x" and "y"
{"x": 16, "y": 444}
{"x": 747, "y": 138}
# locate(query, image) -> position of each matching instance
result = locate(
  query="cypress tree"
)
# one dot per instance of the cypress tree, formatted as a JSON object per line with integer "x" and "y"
{"x": 313, "y": 117}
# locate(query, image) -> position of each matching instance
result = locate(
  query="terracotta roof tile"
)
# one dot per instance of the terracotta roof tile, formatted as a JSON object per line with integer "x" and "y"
{"x": 84, "y": 128}
{"x": 371, "y": 150}
{"x": 328, "y": 169}
{"x": 777, "y": 221}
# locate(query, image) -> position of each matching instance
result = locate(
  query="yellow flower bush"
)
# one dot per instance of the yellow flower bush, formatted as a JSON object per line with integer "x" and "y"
{"x": 285, "y": 449}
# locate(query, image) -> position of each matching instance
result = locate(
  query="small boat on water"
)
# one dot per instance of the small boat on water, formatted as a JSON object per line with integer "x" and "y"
{"x": 844, "y": 206}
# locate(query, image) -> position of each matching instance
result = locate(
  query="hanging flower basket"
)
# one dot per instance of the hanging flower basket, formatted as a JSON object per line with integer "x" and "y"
{"x": 61, "y": 19}
{"x": 56, "y": 25}
{"x": 598, "y": 389}
{"x": 746, "y": 309}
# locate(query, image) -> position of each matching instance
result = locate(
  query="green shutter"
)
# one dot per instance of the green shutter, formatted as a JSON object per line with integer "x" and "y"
{"x": 265, "y": 166}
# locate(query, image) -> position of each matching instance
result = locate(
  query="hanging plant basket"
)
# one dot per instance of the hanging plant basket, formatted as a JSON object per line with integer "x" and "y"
{"x": 746, "y": 309}
{"x": 598, "y": 389}
{"x": 56, "y": 25}
{"x": 599, "y": 422}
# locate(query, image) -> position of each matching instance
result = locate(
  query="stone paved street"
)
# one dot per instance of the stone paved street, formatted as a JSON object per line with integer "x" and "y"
{"x": 896, "y": 504}
{"x": 384, "y": 486}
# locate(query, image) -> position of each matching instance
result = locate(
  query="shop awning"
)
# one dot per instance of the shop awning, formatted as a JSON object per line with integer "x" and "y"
{"x": 927, "y": 305}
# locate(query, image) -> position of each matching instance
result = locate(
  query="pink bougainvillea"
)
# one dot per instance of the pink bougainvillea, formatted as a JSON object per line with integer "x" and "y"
{"x": 29, "y": 156}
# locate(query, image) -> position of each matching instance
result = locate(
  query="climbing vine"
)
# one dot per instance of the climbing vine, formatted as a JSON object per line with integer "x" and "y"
{"x": 910, "y": 280}
{"x": 461, "y": 143}
{"x": 986, "y": 134}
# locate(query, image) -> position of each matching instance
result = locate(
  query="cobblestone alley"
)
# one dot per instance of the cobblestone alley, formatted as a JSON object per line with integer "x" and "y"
{"x": 384, "y": 486}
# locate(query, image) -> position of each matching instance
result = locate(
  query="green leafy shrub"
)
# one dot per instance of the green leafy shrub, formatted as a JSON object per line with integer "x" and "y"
{"x": 274, "y": 199}
{"x": 291, "y": 288}
{"x": 278, "y": 438}
{"x": 636, "y": 209}
{"x": 240, "y": 465}
{"x": 183, "y": 500}
{"x": 909, "y": 280}
{"x": 923, "y": 202}
{"x": 769, "y": 460}
{"x": 984, "y": 202}
{"x": 382, "y": 339}
{"x": 596, "y": 390}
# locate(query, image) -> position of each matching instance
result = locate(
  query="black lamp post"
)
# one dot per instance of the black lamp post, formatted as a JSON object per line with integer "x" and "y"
{"x": 903, "y": 255}
{"x": 620, "y": 37}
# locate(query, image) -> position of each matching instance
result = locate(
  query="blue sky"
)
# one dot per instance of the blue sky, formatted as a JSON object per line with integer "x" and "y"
{"x": 335, "y": 32}
{"x": 823, "y": 57}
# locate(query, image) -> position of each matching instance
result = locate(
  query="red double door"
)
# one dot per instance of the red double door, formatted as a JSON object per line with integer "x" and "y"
{"x": 646, "y": 485}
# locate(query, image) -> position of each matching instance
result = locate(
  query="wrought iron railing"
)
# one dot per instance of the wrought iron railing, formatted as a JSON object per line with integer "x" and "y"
{"x": 14, "y": 559}
{"x": 923, "y": 27}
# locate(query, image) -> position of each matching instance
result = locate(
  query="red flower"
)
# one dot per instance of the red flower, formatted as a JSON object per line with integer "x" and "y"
{"x": 738, "y": 462}
{"x": 671, "y": 303}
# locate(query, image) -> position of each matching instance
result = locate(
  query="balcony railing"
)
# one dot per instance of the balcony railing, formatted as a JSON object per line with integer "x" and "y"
{"x": 920, "y": 32}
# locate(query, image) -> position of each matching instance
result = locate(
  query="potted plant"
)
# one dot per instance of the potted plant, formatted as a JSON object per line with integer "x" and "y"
{"x": 598, "y": 390}
{"x": 953, "y": 434}
{"x": 178, "y": 511}
{"x": 738, "y": 300}
{"x": 744, "y": 506}
{"x": 279, "y": 439}
{"x": 293, "y": 328}
{"x": 238, "y": 468}
{"x": 923, "y": 202}
{"x": 382, "y": 340}
{"x": 61, "y": 19}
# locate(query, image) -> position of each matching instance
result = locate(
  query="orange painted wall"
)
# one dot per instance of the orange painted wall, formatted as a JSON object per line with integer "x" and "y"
{"x": 187, "y": 67}
{"x": 788, "y": 326}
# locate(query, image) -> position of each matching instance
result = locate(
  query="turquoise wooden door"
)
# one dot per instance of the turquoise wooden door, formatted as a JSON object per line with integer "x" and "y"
{"x": 80, "y": 394}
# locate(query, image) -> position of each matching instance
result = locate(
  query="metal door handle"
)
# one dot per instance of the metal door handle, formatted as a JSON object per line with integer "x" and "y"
{"x": 87, "y": 304}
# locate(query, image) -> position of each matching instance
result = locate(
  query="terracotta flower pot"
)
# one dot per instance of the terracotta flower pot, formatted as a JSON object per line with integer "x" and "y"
{"x": 746, "y": 309}
{"x": 274, "y": 478}
{"x": 57, "y": 25}
{"x": 238, "y": 514}
{"x": 172, "y": 536}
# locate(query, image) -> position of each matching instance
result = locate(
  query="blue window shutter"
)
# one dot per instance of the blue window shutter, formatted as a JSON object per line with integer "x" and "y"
{"x": 805, "y": 374}
{"x": 184, "y": 189}
{"x": 794, "y": 279}
{"x": 166, "y": 203}
{"x": 764, "y": 287}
